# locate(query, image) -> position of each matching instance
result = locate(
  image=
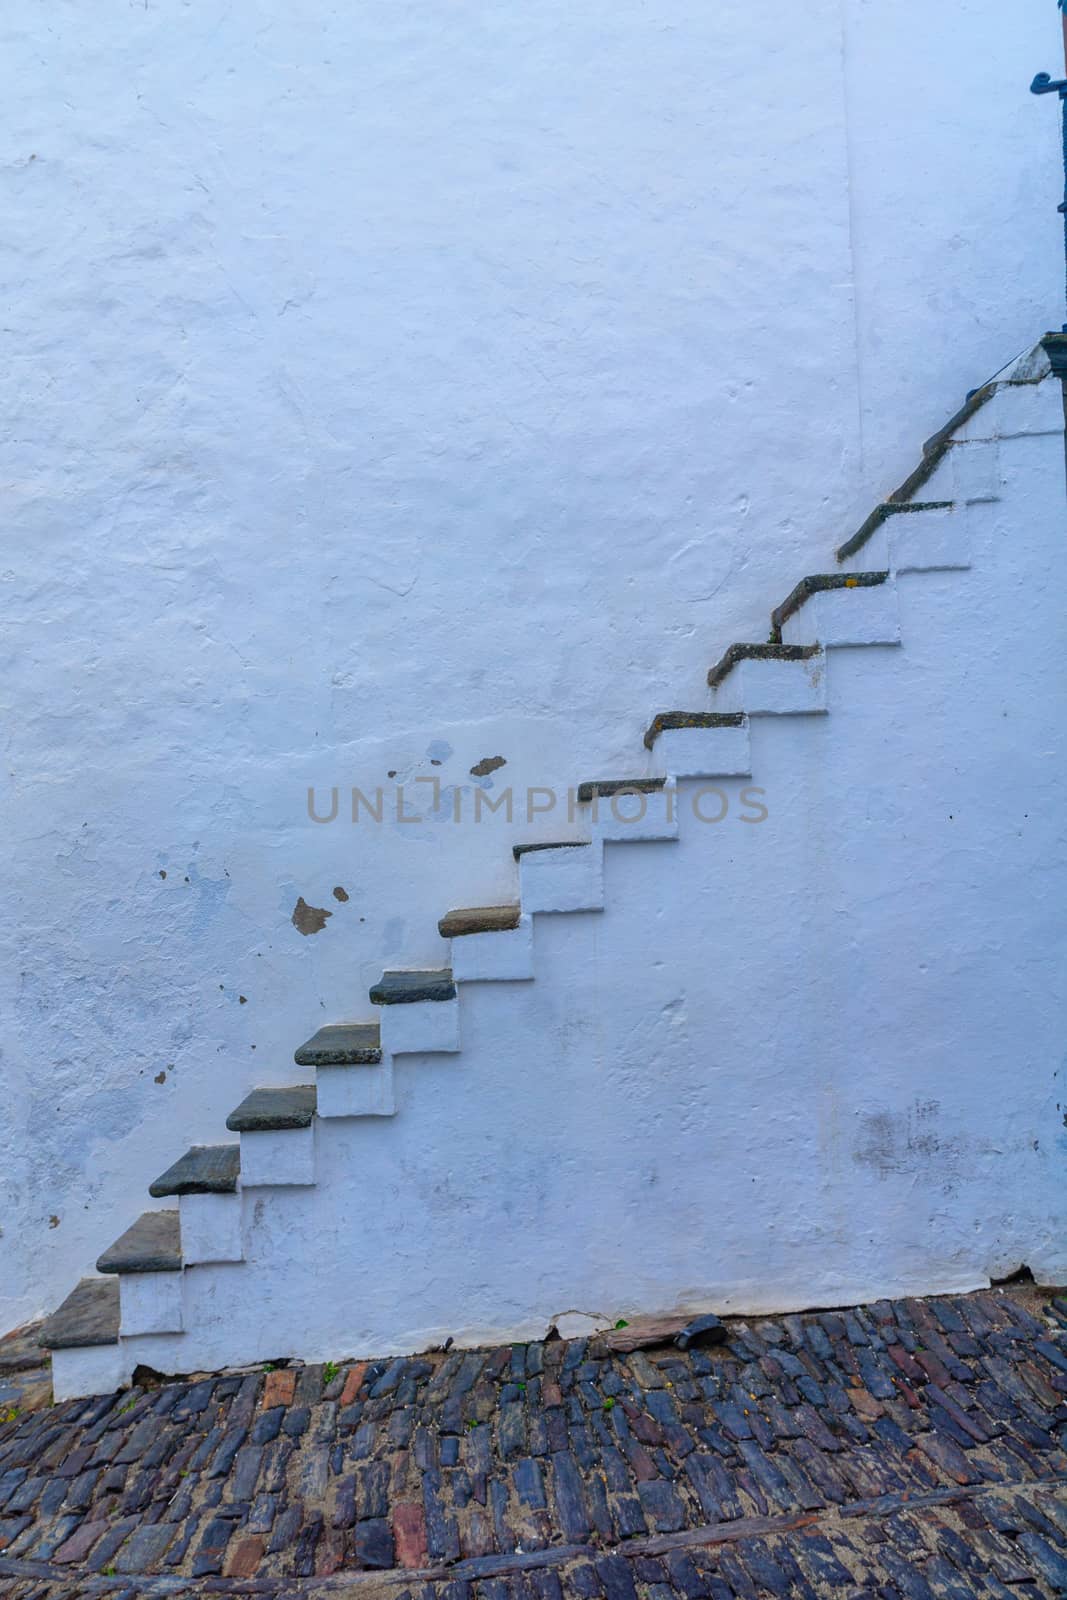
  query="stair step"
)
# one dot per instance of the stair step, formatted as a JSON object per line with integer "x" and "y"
{"x": 407, "y": 988}
{"x": 561, "y": 877}
{"x": 342, "y": 1044}
{"x": 881, "y": 515}
{"x": 671, "y": 721}
{"x": 605, "y": 789}
{"x": 271, "y": 1110}
{"x": 205, "y": 1169}
{"x": 935, "y": 448}
{"x": 153, "y": 1244}
{"x": 819, "y": 583}
{"x": 520, "y": 850}
{"x": 480, "y": 919}
{"x": 88, "y": 1316}
{"x": 758, "y": 652}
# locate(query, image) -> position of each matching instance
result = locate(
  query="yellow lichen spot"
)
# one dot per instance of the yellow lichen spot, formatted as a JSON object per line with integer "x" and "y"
{"x": 851, "y": 583}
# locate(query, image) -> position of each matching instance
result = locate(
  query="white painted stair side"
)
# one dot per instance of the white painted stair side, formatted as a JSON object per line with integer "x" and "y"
{"x": 150, "y": 1302}
{"x": 704, "y": 752}
{"x": 774, "y": 688}
{"x": 495, "y": 957}
{"x": 210, "y": 1228}
{"x": 356, "y": 1091}
{"x": 278, "y": 1157}
{"x": 567, "y": 878}
{"x": 421, "y": 1027}
{"x": 633, "y": 817}
{"x": 841, "y": 617}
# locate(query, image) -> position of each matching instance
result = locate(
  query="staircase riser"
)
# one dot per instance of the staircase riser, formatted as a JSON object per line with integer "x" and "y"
{"x": 356, "y": 1091}
{"x": 774, "y": 688}
{"x": 211, "y": 1228}
{"x": 917, "y": 546}
{"x": 96, "y": 1369}
{"x": 705, "y": 752}
{"x": 150, "y": 1302}
{"x": 286, "y": 1157}
{"x": 563, "y": 880}
{"x": 1016, "y": 411}
{"x": 494, "y": 957}
{"x": 424, "y": 1027}
{"x": 635, "y": 818}
{"x": 839, "y": 617}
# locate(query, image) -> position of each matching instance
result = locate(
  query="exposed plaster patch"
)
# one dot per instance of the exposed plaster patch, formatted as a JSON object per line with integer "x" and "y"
{"x": 309, "y": 919}
{"x": 340, "y": 894}
{"x": 487, "y": 765}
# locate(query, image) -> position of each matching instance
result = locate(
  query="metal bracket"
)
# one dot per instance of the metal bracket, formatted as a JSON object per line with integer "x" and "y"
{"x": 1043, "y": 84}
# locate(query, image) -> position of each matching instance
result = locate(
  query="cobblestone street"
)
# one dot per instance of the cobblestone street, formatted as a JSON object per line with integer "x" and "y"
{"x": 911, "y": 1450}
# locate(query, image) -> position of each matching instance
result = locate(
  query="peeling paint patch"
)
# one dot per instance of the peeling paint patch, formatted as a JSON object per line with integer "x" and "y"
{"x": 340, "y": 894}
{"x": 53, "y": 1222}
{"x": 309, "y": 919}
{"x": 487, "y": 765}
{"x": 161, "y": 1077}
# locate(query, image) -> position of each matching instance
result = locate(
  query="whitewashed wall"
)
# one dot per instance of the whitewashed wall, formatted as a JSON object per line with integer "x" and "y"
{"x": 396, "y": 385}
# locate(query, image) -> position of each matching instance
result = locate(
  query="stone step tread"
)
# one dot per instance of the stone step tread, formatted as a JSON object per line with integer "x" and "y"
{"x": 882, "y": 513}
{"x": 203, "y": 1169}
{"x": 759, "y": 652}
{"x": 605, "y": 788}
{"x": 153, "y": 1244}
{"x": 88, "y": 1316}
{"x": 405, "y": 988}
{"x": 342, "y": 1044}
{"x": 820, "y": 583}
{"x": 274, "y": 1110}
{"x": 520, "y": 850}
{"x": 670, "y": 721}
{"x": 479, "y": 919}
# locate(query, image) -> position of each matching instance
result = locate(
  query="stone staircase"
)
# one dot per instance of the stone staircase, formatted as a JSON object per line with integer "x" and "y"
{"x": 100, "y": 1331}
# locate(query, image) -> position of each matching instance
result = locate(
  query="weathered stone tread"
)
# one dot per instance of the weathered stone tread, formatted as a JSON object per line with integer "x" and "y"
{"x": 479, "y": 919}
{"x": 153, "y": 1244}
{"x": 604, "y": 789}
{"x": 520, "y": 850}
{"x": 205, "y": 1169}
{"x": 404, "y": 988}
{"x": 274, "y": 1110}
{"x": 88, "y": 1316}
{"x": 342, "y": 1044}
{"x": 759, "y": 652}
{"x": 819, "y": 583}
{"x": 669, "y": 721}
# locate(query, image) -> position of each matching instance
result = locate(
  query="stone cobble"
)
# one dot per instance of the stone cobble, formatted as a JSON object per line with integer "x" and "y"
{"x": 912, "y": 1449}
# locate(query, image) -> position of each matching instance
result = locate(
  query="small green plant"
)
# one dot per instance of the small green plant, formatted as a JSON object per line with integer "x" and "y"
{"x": 622, "y": 1323}
{"x": 270, "y": 1366}
{"x": 472, "y": 1423}
{"x": 609, "y": 1404}
{"x": 329, "y": 1372}
{"x": 521, "y": 1388}
{"x": 127, "y": 1407}
{"x": 110, "y": 1572}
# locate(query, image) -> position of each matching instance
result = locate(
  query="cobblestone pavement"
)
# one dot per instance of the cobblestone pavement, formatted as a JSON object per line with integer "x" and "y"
{"x": 911, "y": 1450}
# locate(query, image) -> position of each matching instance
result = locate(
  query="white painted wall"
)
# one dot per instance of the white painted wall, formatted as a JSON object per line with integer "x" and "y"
{"x": 391, "y": 385}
